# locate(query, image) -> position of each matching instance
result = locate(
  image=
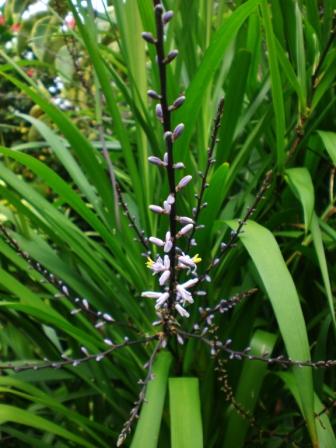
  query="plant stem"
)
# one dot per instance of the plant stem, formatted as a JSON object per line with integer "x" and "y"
{"x": 213, "y": 141}
{"x": 166, "y": 123}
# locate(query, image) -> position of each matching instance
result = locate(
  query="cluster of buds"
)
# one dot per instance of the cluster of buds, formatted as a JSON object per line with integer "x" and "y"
{"x": 174, "y": 295}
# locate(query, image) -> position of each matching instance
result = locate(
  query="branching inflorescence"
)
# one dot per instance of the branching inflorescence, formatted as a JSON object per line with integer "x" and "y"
{"x": 174, "y": 296}
{"x": 177, "y": 271}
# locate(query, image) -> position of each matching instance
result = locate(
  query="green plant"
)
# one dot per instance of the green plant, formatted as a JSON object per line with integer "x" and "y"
{"x": 72, "y": 275}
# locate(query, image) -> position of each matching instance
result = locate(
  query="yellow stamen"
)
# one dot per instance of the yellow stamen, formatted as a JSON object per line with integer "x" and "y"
{"x": 149, "y": 262}
{"x": 196, "y": 258}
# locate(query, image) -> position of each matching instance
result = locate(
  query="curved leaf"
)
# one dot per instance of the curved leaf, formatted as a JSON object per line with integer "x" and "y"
{"x": 280, "y": 288}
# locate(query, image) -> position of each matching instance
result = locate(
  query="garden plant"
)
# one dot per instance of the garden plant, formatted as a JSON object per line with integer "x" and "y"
{"x": 167, "y": 210}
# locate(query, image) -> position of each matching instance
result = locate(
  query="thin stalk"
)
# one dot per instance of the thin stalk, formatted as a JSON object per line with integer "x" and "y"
{"x": 166, "y": 123}
{"x": 76, "y": 362}
{"x": 213, "y": 142}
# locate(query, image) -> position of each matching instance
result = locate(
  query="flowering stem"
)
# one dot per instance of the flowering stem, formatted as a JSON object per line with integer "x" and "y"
{"x": 169, "y": 145}
{"x": 134, "y": 414}
{"x": 213, "y": 141}
{"x": 76, "y": 362}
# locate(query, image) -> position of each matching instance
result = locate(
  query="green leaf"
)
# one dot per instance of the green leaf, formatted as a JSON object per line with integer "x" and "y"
{"x": 86, "y": 153}
{"x": 278, "y": 103}
{"x": 320, "y": 253}
{"x": 64, "y": 155}
{"x": 301, "y": 184}
{"x": 148, "y": 427}
{"x": 206, "y": 70}
{"x": 329, "y": 141}
{"x": 234, "y": 101}
{"x": 280, "y": 288}
{"x": 248, "y": 389}
{"x": 23, "y": 417}
{"x": 300, "y": 57}
{"x": 325, "y": 434}
{"x": 185, "y": 413}
{"x": 214, "y": 196}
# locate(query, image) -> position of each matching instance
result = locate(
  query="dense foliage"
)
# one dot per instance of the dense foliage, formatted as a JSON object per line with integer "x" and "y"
{"x": 77, "y": 128}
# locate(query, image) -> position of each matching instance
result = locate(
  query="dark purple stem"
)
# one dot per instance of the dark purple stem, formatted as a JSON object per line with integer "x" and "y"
{"x": 169, "y": 145}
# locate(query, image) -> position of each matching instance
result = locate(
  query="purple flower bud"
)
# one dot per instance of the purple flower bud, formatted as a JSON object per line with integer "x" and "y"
{"x": 183, "y": 182}
{"x": 158, "y": 9}
{"x": 107, "y": 317}
{"x": 178, "y": 131}
{"x": 185, "y": 220}
{"x": 178, "y": 102}
{"x": 167, "y": 16}
{"x": 156, "y": 209}
{"x": 156, "y": 241}
{"x": 158, "y": 111}
{"x": 148, "y": 37}
{"x": 154, "y": 95}
{"x": 170, "y": 56}
{"x": 156, "y": 161}
{"x": 184, "y": 230}
{"x": 178, "y": 165}
{"x": 168, "y": 136}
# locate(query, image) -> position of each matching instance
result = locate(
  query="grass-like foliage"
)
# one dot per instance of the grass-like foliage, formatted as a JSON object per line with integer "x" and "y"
{"x": 167, "y": 222}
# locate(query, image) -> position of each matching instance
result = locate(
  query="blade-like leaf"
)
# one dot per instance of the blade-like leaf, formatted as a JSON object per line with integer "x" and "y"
{"x": 280, "y": 288}
{"x": 300, "y": 182}
{"x": 185, "y": 413}
{"x": 248, "y": 389}
{"x": 148, "y": 427}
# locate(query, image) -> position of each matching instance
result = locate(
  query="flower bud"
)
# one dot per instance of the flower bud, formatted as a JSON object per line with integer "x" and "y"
{"x": 148, "y": 37}
{"x": 156, "y": 209}
{"x": 178, "y": 131}
{"x": 158, "y": 111}
{"x": 167, "y": 16}
{"x": 156, "y": 241}
{"x": 154, "y": 95}
{"x": 178, "y": 165}
{"x": 181, "y": 310}
{"x": 170, "y": 199}
{"x": 184, "y": 230}
{"x": 158, "y": 9}
{"x": 178, "y": 102}
{"x": 156, "y": 161}
{"x": 164, "y": 277}
{"x": 183, "y": 182}
{"x": 170, "y": 56}
{"x": 168, "y": 136}
{"x": 185, "y": 220}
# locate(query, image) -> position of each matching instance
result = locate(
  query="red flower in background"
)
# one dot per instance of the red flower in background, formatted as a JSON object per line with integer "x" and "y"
{"x": 2, "y": 20}
{"x": 31, "y": 72}
{"x": 16, "y": 27}
{"x": 70, "y": 22}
